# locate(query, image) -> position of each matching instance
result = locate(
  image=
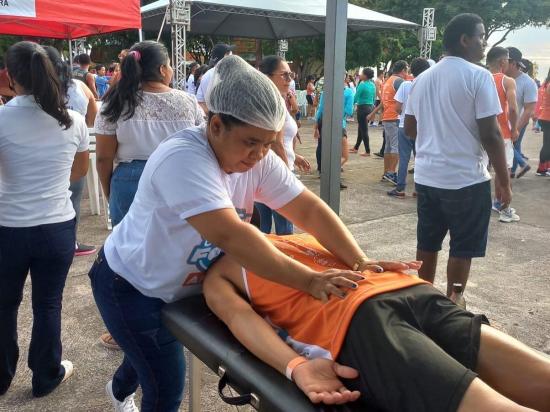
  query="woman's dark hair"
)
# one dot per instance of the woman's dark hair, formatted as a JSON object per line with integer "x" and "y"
{"x": 310, "y": 78}
{"x": 28, "y": 64}
{"x": 368, "y": 73}
{"x": 141, "y": 64}
{"x": 61, "y": 68}
{"x": 459, "y": 25}
{"x": 227, "y": 120}
{"x": 270, "y": 64}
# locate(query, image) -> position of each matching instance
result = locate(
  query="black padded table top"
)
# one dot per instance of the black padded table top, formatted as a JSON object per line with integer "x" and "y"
{"x": 200, "y": 331}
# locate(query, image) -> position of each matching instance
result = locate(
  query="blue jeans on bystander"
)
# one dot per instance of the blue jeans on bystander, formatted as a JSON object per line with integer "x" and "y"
{"x": 124, "y": 184}
{"x": 46, "y": 251}
{"x": 282, "y": 225}
{"x": 406, "y": 147}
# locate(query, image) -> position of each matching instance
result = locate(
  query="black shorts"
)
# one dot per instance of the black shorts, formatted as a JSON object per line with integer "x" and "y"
{"x": 415, "y": 350}
{"x": 464, "y": 213}
{"x": 309, "y": 99}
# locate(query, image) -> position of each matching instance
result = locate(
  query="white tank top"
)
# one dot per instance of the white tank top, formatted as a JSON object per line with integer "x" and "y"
{"x": 289, "y": 131}
{"x": 76, "y": 98}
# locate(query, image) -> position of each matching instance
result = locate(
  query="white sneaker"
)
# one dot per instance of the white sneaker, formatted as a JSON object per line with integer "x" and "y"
{"x": 128, "y": 405}
{"x": 508, "y": 215}
{"x": 69, "y": 369}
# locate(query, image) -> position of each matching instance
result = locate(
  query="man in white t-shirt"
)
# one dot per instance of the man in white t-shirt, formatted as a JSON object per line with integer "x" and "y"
{"x": 219, "y": 51}
{"x": 526, "y": 97}
{"x": 405, "y": 144}
{"x": 453, "y": 118}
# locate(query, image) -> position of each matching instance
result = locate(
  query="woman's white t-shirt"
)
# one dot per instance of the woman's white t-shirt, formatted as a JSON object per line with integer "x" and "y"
{"x": 36, "y": 156}
{"x": 76, "y": 98}
{"x": 289, "y": 133}
{"x": 154, "y": 247}
{"x": 157, "y": 116}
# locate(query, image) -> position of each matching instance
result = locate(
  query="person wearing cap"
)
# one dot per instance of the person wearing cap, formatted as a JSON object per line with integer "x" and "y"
{"x": 194, "y": 200}
{"x": 526, "y": 97}
{"x": 219, "y": 51}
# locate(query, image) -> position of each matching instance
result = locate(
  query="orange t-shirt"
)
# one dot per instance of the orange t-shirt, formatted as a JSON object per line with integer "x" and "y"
{"x": 544, "y": 113}
{"x": 503, "y": 120}
{"x": 306, "y": 319}
{"x": 388, "y": 98}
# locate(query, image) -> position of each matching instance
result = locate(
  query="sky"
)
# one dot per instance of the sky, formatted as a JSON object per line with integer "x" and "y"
{"x": 533, "y": 42}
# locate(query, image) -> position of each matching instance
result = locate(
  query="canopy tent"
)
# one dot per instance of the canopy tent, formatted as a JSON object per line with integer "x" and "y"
{"x": 274, "y": 19}
{"x": 64, "y": 19}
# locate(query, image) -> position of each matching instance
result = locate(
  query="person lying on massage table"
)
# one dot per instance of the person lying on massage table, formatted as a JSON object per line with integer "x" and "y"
{"x": 405, "y": 345}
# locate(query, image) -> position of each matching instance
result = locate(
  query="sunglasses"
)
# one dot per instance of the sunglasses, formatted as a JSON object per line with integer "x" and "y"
{"x": 287, "y": 75}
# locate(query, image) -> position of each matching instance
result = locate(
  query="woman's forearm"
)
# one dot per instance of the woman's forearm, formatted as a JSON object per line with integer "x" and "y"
{"x": 105, "y": 171}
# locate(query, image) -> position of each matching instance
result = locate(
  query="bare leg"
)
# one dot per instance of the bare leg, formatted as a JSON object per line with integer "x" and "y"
{"x": 394, "y": 159}
{"x": 458, "y": 271}
{"x": 429, "y": 265}
{"x": 482, "y": 398}
{"x": 345, "y": 151}
{"x": 514, "y": 370}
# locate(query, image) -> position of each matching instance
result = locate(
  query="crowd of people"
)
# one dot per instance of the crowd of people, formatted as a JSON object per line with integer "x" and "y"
{"x": 186, "y": 172}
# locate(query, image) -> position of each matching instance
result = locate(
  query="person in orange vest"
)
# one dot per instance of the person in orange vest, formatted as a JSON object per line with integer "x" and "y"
{"x": 390, "y": 119}
{"x": 544, "y": 120}
{"x": 497, "y": 60}
{"x": 400, "y": 344}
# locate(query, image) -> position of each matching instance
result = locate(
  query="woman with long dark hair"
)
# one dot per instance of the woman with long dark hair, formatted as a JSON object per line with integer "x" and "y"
{"x": 42, "y": 144}
{"x": 139, "y": 111}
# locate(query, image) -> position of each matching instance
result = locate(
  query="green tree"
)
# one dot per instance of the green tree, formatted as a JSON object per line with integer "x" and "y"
{"x": 500, "y": 16}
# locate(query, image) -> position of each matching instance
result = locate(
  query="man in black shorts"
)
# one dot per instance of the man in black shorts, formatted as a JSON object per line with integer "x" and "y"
{"x": 455, "y": 128}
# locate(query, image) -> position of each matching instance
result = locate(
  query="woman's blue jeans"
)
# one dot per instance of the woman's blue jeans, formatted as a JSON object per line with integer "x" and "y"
{"x": 283, "y": 226}
{"x": 46, "y": 251}
{"x": 153, "y": 358}
{"x": 124, "y": 184}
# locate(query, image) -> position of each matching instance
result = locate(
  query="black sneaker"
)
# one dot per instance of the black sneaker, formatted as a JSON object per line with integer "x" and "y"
{"x": 378, "y": 154}
{"x": 411, "y": 171}
{"x": 343, "y": 186}
{"x": 83, "y": 250}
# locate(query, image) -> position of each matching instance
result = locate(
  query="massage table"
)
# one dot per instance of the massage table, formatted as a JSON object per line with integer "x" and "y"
{"x": 211, "y": 342}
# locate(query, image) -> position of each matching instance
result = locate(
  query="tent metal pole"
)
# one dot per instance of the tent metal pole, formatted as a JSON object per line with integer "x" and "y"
{"x": 163, "y": 22}
{"x": 335, "y": 57}
{"x": 140, "y": 35}
{"x": 70, "y": 52}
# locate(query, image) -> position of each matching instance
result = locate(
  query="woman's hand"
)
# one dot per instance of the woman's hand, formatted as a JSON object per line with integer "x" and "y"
{"x": 332, "y": 282}
{"x": 301, "y": 163}
{"x": 387, "y": 265}
{"x": 319, "y": 380}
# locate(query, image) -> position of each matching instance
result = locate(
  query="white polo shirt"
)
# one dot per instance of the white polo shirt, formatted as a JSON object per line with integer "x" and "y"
{"x": 154, "y": 247}
{"x": 446, "y": 100}
{"x": 36, "y": 157}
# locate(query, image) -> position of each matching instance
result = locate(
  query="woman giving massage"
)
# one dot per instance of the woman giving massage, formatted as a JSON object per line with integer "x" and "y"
{"x": 405, "y": 345}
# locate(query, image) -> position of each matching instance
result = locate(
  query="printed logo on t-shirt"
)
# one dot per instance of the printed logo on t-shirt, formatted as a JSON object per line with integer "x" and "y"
{"x": 206, "y": 253}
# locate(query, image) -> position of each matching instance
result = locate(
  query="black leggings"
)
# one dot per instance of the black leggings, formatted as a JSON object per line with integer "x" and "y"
{"x": 545, "y": 150}
{"x": 363, "y": 110}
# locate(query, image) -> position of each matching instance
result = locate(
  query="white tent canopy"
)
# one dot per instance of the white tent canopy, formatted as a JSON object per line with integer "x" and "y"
{"x": 274, "y": 19}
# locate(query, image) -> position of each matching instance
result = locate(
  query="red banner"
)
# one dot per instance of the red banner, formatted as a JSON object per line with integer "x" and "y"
{"x": 65, "y": 19}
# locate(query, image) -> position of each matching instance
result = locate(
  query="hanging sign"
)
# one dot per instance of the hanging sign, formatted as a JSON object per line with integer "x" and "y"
{"x": 19, "y": 8}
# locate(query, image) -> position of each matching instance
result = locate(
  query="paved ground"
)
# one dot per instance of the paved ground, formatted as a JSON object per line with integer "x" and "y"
{"x": 510, "y": 285}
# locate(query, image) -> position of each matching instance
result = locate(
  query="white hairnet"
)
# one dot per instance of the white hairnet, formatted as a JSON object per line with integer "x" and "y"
{"x": 239, "y": 90}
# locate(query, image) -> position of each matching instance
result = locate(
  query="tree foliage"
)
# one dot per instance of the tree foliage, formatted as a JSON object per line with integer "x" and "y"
{"x": 500, "y": 16}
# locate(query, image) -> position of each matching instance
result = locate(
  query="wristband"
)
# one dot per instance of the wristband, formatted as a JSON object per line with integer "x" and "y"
{"x": 359, "y": 261}
{"x": 298, "y": 360}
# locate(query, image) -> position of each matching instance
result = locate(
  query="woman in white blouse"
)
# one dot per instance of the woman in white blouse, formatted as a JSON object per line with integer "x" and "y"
{"x": 138, "y": 113}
